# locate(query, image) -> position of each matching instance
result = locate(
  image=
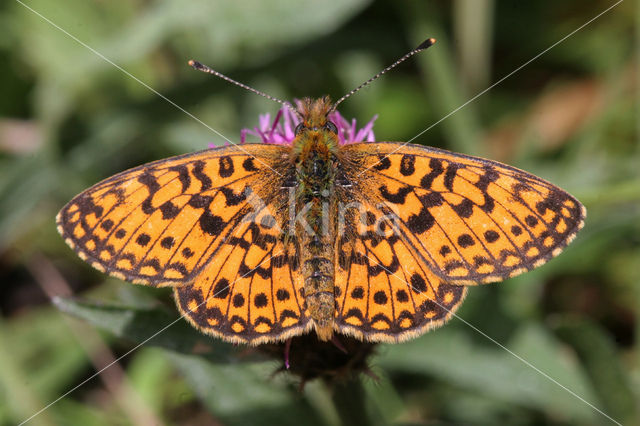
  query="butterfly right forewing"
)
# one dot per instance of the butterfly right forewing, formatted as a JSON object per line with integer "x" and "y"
{"x": 472, "y": 220}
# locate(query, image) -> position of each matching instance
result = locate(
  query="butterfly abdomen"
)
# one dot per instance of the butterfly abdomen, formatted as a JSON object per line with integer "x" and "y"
{"x": 318, "y": 272}
{"x": 315, "y": 230}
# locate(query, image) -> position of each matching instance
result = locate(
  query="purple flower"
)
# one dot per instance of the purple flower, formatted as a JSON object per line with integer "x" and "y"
{"x": 282, "y": 129}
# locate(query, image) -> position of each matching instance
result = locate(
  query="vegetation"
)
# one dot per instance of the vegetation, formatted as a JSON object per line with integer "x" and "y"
{"x": 92, "y": 88}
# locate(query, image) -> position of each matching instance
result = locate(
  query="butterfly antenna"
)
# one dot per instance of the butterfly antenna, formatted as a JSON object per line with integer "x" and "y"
{"x": 424, "y": 45}
{"x": 200, "y": 67}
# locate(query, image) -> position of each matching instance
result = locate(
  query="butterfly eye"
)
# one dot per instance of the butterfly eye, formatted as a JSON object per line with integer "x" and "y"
{"x": 299, "y": 128}
{"x": 331, "y": 127}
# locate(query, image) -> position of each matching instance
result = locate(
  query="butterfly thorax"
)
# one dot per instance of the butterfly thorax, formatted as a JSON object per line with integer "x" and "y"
{"x": 315, "y": 149}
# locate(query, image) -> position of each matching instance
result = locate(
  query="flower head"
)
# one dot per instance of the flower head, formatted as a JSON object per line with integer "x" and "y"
{"x": 282, "y": 129}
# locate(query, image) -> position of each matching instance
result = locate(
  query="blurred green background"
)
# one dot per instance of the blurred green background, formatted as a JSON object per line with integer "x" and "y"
{"x": 69, "y": 118}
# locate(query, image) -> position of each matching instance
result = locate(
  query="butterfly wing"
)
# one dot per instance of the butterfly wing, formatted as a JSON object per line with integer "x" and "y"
{"x": 471, "y": 220}
{"x": 160, "y": 223}
{"x": 196, "y": 222}
{"x": 250, "y": 292}
{"x": 385, "y": 291}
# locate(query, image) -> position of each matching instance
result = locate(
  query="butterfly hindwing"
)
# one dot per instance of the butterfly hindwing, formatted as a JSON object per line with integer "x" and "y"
{"x": 250, "y": 292}
{"x": 384, "y": 290}
{"x": 471, "y": 220}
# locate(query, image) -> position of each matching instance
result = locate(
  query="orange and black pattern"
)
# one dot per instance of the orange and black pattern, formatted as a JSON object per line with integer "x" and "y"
{"x": 385, "y": 291}
{"x": 410, "y": 227}
{"x": 189, "y": 222}
{"x": 471, "y": 220}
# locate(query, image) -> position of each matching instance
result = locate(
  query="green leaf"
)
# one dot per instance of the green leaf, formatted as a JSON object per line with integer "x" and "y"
{"x": 245, "y": 394}
{"x": 450, "y": 356}
{"x": 602, "y": 365}
{"x": 153, "y": 377}
{"x": 157, "y": 327}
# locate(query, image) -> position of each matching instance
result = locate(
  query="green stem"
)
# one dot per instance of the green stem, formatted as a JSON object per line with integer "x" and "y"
{"x": 349, "y": 399}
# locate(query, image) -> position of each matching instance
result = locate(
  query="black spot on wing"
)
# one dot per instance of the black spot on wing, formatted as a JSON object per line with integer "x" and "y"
{"x": 450, "y": 175}
{"x": 380, "y": 298}
{"x": 221, "y": 289}
{"x": 488, "y": 176}
{"x": 226, "y": 166}
{"x": 491, "y": 236}
{"x": 231, "y": 198}
{"x": 464, "y": 209}
{"x": 445, "y": 250}
{"x": 421, "y": 222}
{"x": 211, "y": 224}
{"x": 260, "y": 300}
{"x": 238, "y": 301}
{"x": 531, "y": 220}
{"x": 248, "y": 165}
{"x": 408, "y": 165}
{"x": 143, "y": 239}
{"x": 383, "y": 163}
{"x": 418, "y": 284}
{"x": 432, "y": 199}
{"x": 402, "y": 296}
{"x": 200, "y": 201}
{"x": 169, "y": 210}
{"x": 357, "y": 293}
{"x": 148, "y": 180}
{"x": 282, "y": 295}
{"x": 107, "y": 225}
{"x": 167, "y": 242}
{"x": 198, "y": 173}
{"x": 436, "y": 170}
{"x": 183, "y": 176}
{"x": 466, "y": 240}
{"x": 398, "y": 197}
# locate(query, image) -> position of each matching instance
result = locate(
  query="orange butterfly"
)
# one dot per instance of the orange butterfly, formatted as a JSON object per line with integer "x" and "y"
{"x": 377, "y": 240}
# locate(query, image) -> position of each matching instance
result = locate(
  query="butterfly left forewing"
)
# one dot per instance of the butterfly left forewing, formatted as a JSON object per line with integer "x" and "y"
{"x": 160, "y": 223}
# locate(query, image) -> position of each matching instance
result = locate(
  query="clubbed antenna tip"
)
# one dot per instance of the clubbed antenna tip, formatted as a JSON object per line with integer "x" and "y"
{"x": 195, "y": 64}
{"x": 427, "y": 43}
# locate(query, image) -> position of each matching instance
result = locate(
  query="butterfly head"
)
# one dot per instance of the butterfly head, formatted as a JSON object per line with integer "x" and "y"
{"x": 314, "y": 116}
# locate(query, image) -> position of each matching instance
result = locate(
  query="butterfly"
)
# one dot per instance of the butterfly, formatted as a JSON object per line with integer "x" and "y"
{"x": 375, "y": 240}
